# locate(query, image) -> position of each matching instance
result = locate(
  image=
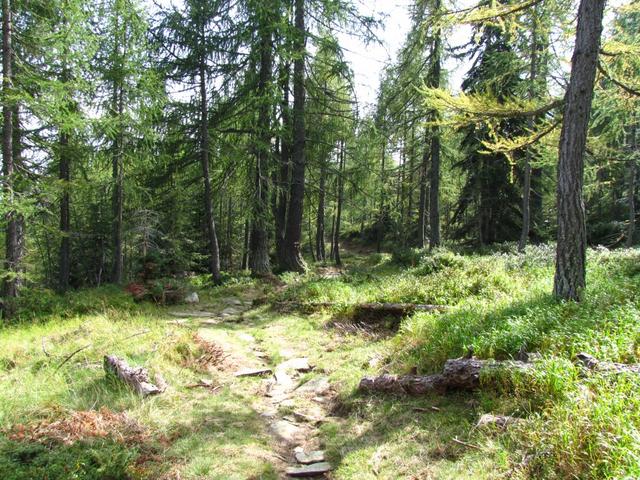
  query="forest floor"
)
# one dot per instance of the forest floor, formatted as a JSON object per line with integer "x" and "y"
{"x": 61, "y": 418}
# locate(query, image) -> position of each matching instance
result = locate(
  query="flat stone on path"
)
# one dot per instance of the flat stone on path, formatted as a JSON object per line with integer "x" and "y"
{"x": 313, "y": 470}
{"x": 300, "y": 364}
{"x": 317, "y": 386}
{"x": 232, "y": 301}
{"x": 246, "y": 337}
{"x": 284, "y": 380}
{"x": 286, "y": 431}
{"x": 316, "y": 456}
{"x": 252, "y": 372}
{"x": 286, "y": 353}
{"x": 230, "y": 311}
{"x": 209, "y": 321}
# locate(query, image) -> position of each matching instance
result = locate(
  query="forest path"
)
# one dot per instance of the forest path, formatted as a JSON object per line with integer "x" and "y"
{"x": 278, "y": 364}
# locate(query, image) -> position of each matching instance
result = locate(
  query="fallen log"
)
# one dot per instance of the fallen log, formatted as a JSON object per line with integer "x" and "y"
{"x": 458, "y": 374}
{"x": 593, "y": 364}
{"x": 135, "y": 377}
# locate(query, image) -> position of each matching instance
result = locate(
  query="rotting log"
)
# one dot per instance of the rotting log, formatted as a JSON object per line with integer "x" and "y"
{"x": 135, "y": 377}
{"x": 595, "y": 365}
{"x": 462, "y": 374}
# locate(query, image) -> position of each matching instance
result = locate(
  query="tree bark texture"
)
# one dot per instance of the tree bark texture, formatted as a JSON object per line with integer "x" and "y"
{"x": 292, "y": 254}
{"x": 12, "y": 233}
{"x": 570, "y": 276}
{"x": 212, "y": 237}
{"x": 259, "y": 262}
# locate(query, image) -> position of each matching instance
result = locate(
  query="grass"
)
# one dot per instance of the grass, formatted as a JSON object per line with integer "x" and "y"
{"x": 573, "y": 426}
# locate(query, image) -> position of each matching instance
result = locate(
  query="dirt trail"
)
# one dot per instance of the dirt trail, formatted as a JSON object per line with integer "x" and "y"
{"x": 291, "y": 398}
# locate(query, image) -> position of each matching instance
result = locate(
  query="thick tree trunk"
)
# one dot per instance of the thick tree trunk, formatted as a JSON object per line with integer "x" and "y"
{"x": 292, "y": 254}
{"x": 336, "y": 233}
{"x": 64, "y": 266}
{"x": 320, "y": 233}
{"x": 259, "y": 262}
{"x": 212, "y": 238}
{"x": 570, "y": 276}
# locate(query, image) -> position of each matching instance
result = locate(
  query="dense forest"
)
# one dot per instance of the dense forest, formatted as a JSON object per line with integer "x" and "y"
{"x": 479, "y": 214}
{"x": 219, "y": 136}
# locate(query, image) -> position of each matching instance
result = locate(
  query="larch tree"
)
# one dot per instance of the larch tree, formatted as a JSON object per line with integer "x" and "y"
{"x": 570, "y": 275}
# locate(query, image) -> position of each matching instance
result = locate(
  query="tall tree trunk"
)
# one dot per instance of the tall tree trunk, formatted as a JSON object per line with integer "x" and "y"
{"x": 631, "y": 194}
{"x": 336, "y": 233}
{"x": 411, "y": 173}
{"x": 282, "y": 190}
{"x": 381, "y": 214}
{"x": 434, "y": 172}
{"x": 212, "y": 237}
{"x": 570, "y": 276}
{"x": 64, "y": 267}
{"x": 293, "y": 260}
{"x": 12, "y": 242}
{"x": 422, "y": 208}
{"x": 245, "y": 248}
{"x": 118, "y": 191}
{"x": 526, "y": 190}
{"x": 259, "y": 257}
{"x": 229, "y": 233}
{"x": 320, "y": 234}
{"x": 117, "y": 173}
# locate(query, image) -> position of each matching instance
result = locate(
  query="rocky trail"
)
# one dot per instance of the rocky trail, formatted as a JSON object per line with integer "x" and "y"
{"x": 291, "y": 397}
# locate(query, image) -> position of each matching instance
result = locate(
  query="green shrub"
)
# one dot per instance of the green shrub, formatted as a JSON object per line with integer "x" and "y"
{"x": 89, "y": 460}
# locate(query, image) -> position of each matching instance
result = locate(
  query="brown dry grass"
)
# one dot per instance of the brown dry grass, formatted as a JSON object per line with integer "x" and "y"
{"x": 74, "y": 426}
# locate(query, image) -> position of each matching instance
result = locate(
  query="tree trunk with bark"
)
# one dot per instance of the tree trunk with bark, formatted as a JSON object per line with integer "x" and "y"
{"x": 259, "y": 262}
{"x": 12, "y": 233}
{"x": 336, "y": 233}
{"x": 434, "y": 172}
{"x": 64, "y": 174}
{"x": 212, "y": 238}
{"x": 381, "y": 214}
{"x": 570, "y": 276}
{"x": 320, "y": 227}
{"x": 245, "y": 248}
{"x": 631, "y": 194}
{"x": 292, "y": 252}
{"x": 422, "y": 207}
{"x": 117, "y": 167}
{"x": 526, "y": 190}
{"x": 281, "y": 194}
